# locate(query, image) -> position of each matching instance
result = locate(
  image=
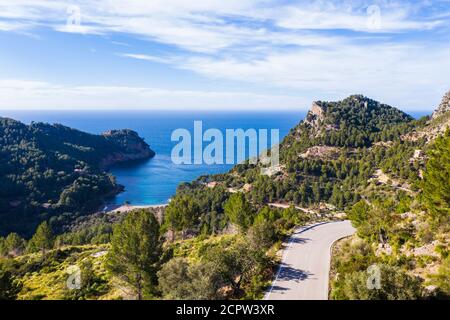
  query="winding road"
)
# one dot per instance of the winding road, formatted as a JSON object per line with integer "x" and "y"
{"x": 304, "y": 270}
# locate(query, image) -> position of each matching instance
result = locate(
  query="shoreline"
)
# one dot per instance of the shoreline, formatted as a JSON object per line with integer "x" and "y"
{"x": 113, "y": 209}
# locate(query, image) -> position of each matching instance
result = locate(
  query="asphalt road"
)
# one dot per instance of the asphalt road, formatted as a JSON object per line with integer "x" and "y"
{"x": 303, "y": 273}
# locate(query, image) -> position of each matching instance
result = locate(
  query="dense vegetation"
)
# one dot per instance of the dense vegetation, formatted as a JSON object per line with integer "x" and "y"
{"x": 219, "y": 236}
{"x": 54, "y": 172}
{"x": 340, "y": 166}
{"x": 219, "y": 267}
{"x": 392, "y": 229}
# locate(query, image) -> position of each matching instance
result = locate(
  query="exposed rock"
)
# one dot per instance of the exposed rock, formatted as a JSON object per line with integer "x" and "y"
{"x": 271, "y": 171}
{"x": 439, "y": 123}
{"x": 436, "y": 127}
{"x": 315, "y": 115}
{"x": 232, "y": 190}
{"x": 431, "y": 290}
{"x": 230, "y": 229}
{"x": 247, "y": 187}
{"x": 99, "y": 254}
{"x": 385, "y": 144}
{"x": 408, "y": 215}
{"x": 383, "y": 248}
{"x": 212, "y": 184}
{"x": 418, "y": 156}
{"x": 427, "y": 250}
{"x": 443, "y": 107}
{"x": 46, "y": 205}
{"x": 320, "y": 152}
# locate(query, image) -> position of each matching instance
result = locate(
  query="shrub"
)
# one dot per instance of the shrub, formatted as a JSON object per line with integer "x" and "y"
{"x": 395, "y": 285}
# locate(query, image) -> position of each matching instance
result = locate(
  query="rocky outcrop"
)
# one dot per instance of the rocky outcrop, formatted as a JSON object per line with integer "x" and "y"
{"x": 321, "y": 152}
{"x": 316, "y": 119}
{"x": 436, "y": 126}
{"x": 315, "y": 115}
{"x": 131, "y": 148}
{"x": 444, "y": 107}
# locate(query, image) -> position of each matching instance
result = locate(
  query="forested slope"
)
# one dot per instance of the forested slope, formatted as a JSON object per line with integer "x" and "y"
{"x": 220, "y": 235}
{"x": 55, "y": 171}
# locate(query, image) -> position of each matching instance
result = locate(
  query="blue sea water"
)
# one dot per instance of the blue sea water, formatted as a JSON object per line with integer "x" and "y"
{"x": 155, "y": 181}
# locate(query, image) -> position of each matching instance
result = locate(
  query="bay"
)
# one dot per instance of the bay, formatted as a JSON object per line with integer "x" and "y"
{"x": 155, "y": 181}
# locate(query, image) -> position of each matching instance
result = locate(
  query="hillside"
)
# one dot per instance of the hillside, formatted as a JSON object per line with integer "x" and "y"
{"x": 373, "y": 163}
{"x": 328, "y": 157}
{"x": 403, "y": 221}
{"x": 54, "y": 171}
{"x": 221, "y": 234}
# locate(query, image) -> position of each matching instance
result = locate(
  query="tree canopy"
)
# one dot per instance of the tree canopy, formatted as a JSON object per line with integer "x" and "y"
{"x": 135, "y": 252}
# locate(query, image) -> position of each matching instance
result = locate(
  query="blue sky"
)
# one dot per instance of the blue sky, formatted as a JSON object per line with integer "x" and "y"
{"x": 216, "y": 54}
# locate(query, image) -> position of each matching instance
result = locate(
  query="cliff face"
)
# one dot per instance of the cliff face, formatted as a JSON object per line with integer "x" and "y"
{"x": 131, "y": 148}
{"x": 315, "y": 115}
{"x": 443, "y": 107}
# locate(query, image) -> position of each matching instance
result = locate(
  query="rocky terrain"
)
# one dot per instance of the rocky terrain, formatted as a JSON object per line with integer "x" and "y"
{"x": 443, "y": 107}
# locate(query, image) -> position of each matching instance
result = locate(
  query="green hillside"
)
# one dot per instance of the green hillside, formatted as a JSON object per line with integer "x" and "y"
{"x": 220, "y": 236}
{"x": 54, "y": 171}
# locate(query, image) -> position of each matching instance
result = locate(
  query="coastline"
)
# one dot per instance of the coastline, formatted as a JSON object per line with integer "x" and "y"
{"x": 114, "y": 209}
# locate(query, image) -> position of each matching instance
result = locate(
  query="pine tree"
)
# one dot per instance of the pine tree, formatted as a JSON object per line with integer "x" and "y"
{"x": 181, "y": 215}
{"x": 239, "y": 211}
{"x": 14, "y": 244}
{"x": 135, "y": 251}
{"x": 436, "y": 182}
{"x": 42, "y": 239}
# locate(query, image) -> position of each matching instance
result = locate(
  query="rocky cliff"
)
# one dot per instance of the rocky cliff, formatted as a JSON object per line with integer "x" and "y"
{"x": 444, "y": 107}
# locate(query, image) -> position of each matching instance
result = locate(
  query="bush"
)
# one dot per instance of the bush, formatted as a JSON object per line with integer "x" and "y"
{"x": 9, "y": 286}
{"x": 442, "y": 278}
{"x": 180, "y": 281}
{"x": 395, "y": 285}
{"x": 261, "y": 236}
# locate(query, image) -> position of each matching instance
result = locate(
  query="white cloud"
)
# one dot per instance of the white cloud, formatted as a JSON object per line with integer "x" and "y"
{"x": 366, "y": 16}
{"x": 271, "y": 43}
{"x": 408, "y": 76}
{"x": 23, "y": 94}
{"x": 210, "y": 26}
{"x": 147, "y": 57}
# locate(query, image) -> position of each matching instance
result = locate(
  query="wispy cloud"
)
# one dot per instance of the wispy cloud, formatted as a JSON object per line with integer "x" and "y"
{"x": 363, "y": 16}
{"x": 410, "y": 76}
{"x": 209, "y": 26}
{"x": 24, "y": 94}
{"x": 318, "y": 48}
{"x": 147, "y": 57}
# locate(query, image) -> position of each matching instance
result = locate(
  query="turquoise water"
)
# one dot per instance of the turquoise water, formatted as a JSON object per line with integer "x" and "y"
{"x": 155, "y": 181}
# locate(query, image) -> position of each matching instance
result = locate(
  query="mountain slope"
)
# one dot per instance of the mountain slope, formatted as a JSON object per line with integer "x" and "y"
{"x": 328, "y": 157}
{"x": 47, "y": 170}
{"x": 356, "y": 121}
{"x": 391, "y": 182}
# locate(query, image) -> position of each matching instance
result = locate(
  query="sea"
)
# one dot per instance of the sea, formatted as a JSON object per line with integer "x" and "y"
{"x": 155, "y": 181}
